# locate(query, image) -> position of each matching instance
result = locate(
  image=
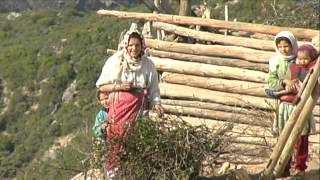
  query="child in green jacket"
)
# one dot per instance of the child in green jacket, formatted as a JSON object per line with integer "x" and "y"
{"x": 100, "y": 124}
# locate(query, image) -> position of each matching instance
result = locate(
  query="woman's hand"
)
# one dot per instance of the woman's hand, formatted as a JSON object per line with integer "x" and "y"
{"x": 289, "y": 85}
{"x": 126, "y": 86}
{"x": 103, "y": 127}
{"x": 158, "y": 109}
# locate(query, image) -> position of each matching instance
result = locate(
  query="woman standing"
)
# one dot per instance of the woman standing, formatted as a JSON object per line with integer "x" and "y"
{"x": 132, "y": 81}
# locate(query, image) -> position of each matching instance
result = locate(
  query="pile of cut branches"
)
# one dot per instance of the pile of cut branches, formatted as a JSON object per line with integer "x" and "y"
{"x": 167, "y": 148}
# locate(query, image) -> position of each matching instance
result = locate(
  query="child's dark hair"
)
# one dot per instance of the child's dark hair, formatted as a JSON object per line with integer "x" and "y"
{"x": 283, "y": 39}
{"x": 98, "y": 94}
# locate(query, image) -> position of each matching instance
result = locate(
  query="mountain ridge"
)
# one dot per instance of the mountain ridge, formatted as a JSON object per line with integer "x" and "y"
{"x": 23, "y": 5}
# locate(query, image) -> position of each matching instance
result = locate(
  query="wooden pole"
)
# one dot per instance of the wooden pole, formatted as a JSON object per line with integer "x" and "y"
{"x": 200, "y": 94}
{"x": 296, "y": 132}
{"x": 266, "y": 29}
{"x": 316, "y": 110}
{"x": 233, "y": 137}
{"x": 212, "y": 50}
{"x": 237, "y": 158}
{"x": 212, "y": 106}
{"x": 192, "y": 68}
{"x": 210, "y": 60}
{"x": 244, "y": 149}
{"x": 206, "y": 14}
{"x": 157, "y": 4}
{"x": 146, "y": 32}
{"x": 184, "y": 9}
{"x": 164, "y": 8}
{"x": 216, "y": 38}
{"x": 218, "y": 115}
{"x": 267, "y": 174}
{"x": 226, "y": 17}
{"x": 224, "y": 85}
{"x": 252, "y": 141}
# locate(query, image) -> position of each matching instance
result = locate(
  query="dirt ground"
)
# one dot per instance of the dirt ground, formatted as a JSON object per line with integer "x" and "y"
{"x": 312, "y": 172}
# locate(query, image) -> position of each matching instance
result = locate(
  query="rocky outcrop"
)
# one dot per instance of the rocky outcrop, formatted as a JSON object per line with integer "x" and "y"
{"x": 4, "y": 97}
{"x": 70, "y": 92}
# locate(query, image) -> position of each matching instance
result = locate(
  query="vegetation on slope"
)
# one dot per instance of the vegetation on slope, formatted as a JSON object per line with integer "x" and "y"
{"x": 42, "y": 52}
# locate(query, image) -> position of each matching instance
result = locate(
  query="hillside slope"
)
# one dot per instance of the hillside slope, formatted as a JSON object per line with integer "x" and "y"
{"x": 46, "y": 55}
{"x": 41, "y": 54}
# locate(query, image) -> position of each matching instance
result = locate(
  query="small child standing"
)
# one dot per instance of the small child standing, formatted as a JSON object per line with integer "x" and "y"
{"x": 99, "y": 129}
{"x": 306, "y": 59}
{"x": 100, "y": 124}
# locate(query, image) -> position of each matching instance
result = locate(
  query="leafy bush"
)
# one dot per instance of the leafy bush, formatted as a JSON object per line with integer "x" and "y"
{"x": 6, "y": 145}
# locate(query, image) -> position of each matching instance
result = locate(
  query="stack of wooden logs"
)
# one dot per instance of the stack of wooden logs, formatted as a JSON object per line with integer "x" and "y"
{"x": 220, "y": 82}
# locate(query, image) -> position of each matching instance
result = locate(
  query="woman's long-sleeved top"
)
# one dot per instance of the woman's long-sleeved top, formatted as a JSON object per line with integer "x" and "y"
{"x": 118, "y": 68}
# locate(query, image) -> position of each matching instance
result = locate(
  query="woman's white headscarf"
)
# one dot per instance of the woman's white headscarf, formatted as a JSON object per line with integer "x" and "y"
{"x": 125, "y": 41}
{"x": 288, "y": 35}
{"x": 130, "y": 62}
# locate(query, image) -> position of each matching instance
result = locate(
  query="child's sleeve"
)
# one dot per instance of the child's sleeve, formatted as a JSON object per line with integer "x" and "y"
{"x": 271, "y": 93}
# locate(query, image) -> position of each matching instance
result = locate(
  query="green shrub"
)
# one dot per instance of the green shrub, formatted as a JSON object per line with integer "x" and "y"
{"x": 6, "y": 145}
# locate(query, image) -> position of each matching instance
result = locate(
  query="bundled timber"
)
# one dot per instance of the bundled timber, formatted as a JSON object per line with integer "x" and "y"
{"x": 211, "y": 106}
{"x": 314, "y": 137}
{"x": 233, "y": 129}
{"x": 237, "y": 129}
{"x": 265, "y": 134}
{"x": 222, "y": 86}
{"x": 192, "y": 93}
{"x": 316, "y": 110}
{"x": 233, "y": 137}
{"x": 256, "y": 150}
{"x": 242, "y": 159}
{"x": 269, "y": 142}
{"x": 225, "y": 85}
{"x": 216, "y": 38}
{"x": 266, "y": 29}
{"x": 170, "y": 65}
{"x": 220, "y": 61}
{"x": 248, "y": 54}
{"x": 218, "y": 115}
